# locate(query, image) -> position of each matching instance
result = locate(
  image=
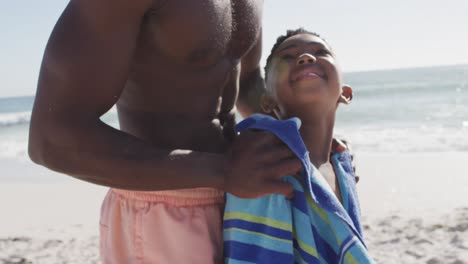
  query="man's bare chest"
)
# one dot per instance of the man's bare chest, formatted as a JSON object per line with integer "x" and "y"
{"x": 203, "y": 32}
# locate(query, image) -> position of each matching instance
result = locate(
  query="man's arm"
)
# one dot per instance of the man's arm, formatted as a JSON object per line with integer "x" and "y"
{"x": 84, "y": 70}
{"x": 252, "y": 84}
{"x": 85, "y": 67}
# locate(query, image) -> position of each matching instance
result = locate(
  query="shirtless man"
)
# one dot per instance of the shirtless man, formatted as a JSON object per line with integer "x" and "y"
{"x": 175, "y": 70}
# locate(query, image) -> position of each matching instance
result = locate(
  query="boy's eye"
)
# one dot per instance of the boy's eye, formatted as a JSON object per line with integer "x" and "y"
{"x": 322, "y": 52}
{"x": 287, "y": 57}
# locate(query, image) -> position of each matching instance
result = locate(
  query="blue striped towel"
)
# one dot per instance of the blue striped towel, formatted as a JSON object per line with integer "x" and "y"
{"x": 313, "y": 227}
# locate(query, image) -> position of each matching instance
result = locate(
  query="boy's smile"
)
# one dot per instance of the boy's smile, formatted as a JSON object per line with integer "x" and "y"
{"x": 307, "y": 72}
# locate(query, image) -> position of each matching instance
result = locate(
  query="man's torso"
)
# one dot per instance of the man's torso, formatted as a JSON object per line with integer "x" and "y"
{"x": 184, "y": 78}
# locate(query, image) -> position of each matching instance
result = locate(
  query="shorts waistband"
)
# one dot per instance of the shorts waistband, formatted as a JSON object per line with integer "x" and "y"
{"x": 182, "y": 197}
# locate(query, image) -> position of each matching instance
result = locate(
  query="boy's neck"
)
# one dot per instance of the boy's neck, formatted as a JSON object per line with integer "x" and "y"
{"x": 317, "y": 134}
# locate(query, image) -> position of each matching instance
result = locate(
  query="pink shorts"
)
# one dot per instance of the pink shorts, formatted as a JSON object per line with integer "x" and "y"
{"x": 181, "y": 226}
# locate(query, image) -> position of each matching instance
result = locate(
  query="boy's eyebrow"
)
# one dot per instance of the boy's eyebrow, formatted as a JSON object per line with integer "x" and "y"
{"x": 288, "y": 47}
{"x": 312, "y": 43}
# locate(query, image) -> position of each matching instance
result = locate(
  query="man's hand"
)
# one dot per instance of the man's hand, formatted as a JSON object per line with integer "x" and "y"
{"x": 256, "y": 163}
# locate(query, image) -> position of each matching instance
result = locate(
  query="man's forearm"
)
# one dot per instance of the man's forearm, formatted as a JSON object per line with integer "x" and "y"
{"x": 100, "y": 154}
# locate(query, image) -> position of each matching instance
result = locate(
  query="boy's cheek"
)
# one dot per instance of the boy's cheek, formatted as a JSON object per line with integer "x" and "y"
{"x": 282, "y": 71}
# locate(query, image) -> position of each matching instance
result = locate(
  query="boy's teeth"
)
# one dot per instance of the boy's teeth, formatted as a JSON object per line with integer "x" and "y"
{"x": 309, "y": 74}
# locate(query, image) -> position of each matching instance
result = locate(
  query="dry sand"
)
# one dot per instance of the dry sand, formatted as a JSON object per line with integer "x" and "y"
{"x": 415, "y": 207}
{"x": 414, "y": 210}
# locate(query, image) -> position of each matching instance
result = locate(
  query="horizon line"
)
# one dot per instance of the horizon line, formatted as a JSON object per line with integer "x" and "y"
{"x": 344, "y": 72}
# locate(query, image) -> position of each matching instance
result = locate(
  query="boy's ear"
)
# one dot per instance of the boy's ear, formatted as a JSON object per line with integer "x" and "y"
{"x": 267, "y": 104}
{"x": 346, "y": 95}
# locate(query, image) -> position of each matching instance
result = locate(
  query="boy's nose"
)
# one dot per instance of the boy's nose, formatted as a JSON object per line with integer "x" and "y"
{"x": 306, "y": 58}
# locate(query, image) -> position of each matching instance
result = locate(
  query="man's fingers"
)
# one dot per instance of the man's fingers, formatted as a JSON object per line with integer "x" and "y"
{"x": 288, "y": 166}
{"x": 259, "y": 137}
{"x": 272, "y": 154}
{"x": 279, "y": 187}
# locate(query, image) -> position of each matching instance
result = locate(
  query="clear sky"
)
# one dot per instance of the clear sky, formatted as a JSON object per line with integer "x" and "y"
{"x": 366, "y": 34}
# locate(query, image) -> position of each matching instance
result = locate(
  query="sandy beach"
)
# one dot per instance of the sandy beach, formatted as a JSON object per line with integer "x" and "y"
{"x": 414, "y": 208}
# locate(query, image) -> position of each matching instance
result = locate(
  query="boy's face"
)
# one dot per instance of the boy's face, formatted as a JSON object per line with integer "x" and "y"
{"x": 304, "y": 71}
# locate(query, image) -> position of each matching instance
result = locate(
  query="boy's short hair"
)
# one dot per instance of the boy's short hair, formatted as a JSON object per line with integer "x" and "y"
{"x": 281, "y": 39}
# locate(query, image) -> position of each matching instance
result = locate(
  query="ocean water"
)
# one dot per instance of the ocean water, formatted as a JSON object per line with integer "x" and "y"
{"x": 407, "y": 110}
